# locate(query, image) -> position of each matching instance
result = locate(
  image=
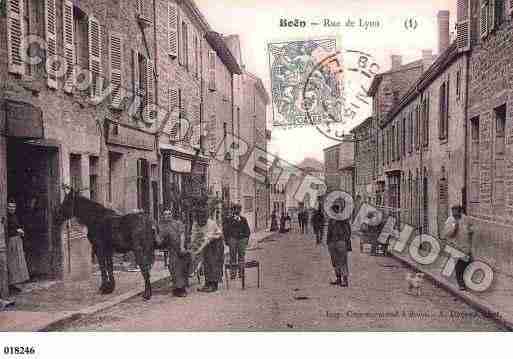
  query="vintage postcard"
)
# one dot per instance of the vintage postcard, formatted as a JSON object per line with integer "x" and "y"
{"x": 255, "y": 166}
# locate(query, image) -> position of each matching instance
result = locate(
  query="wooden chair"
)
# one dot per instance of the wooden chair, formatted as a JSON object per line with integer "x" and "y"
{"x": 247, "y": 264}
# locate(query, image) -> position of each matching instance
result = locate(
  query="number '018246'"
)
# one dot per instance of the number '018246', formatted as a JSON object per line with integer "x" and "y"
{"x": 19, "y": 350}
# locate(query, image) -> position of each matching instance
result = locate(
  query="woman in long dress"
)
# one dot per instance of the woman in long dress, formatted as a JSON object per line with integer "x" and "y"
{"x": 16, "y": 263}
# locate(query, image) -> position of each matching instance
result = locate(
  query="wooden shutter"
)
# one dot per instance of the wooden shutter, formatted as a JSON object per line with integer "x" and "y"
{"x": 136, "y": 88}
{"x": 171, "y": 127}
{"x": 51, "y": 40}
{"x": 15, "y": 33}
{"x": 196, "y": 135}
{"x": 149, "y": 98}
{"x": 69, "y": 46}
{"x": 212, "y": 71}
{"x": 95, "y": 56}
{"x": 509, "y": 7}
{"x": 483, "y": 19}
{"x": 179, "y": 35}
{"x": 443, "y": 203}
{"x": 172, "y": 29}
{"x": 116, "y": 69}
{"x": 492, "y": 14}
{"x": 463, "y": 35}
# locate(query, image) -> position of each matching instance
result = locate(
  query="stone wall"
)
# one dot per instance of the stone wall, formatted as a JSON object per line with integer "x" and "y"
{"x": 490, "y": 158}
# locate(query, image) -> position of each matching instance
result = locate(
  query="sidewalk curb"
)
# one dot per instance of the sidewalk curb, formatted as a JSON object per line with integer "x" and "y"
{"x": 476, "y": 303}
{"x": 68, "y": 317}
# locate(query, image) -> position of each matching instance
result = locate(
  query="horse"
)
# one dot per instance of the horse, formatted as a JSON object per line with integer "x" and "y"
{"x": 109, "y": 232}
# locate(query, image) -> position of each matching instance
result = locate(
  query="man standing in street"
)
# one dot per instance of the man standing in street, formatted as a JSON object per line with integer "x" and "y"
{"x": 240, "y": 233}
{"x": 300, "y": 221}
{"x": 458, "y": 233}
{"x": 172, "y": 230}
{"x": 339, "y": 244}
{"x": 205, "y": 226}
{"x": 306, "y": 219}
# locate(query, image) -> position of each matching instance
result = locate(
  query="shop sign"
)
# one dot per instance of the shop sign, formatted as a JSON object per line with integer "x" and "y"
{"x": 23, "y": 120}
{"x": 129, "y": 137}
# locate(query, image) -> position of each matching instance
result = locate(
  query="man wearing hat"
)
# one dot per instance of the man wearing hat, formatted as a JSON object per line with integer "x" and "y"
{"x": 339, "y": 244}
{"x": 172, "y": 230}
{"x": 240, "y": 233}
{"x": 205, "y": 226}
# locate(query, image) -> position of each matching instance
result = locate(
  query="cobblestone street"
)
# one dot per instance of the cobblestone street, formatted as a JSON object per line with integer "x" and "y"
{"x": 296, "y": 295}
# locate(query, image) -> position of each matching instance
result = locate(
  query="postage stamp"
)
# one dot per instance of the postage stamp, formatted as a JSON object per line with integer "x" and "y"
{"x": 292, "y": 64}
{"x": 315, "y": 83}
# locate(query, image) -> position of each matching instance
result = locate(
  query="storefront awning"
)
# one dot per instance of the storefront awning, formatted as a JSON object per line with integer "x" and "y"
{"x": 181, "y": 152}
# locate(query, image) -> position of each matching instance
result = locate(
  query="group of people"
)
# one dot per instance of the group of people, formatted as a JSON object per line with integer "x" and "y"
{"x": 284, "y": 225}
{"x": 234, "y": 231}
{"x": 316, "y": 219}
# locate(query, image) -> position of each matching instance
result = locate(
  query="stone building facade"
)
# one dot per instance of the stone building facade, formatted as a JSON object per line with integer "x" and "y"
{"x": 365, "y": 155}
{"x": 125, "y": 101}
{"x": 67, "y": 127}
{"x": 424, "y": 149}
{"x": 386, "y": 90}
{"x": 195, "y": 89}
{"x": 489, "y": 136}
{"x": 331, "y": 172}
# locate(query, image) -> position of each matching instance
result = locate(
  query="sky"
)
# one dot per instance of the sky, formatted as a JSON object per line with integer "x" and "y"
{"x": 257, "y": 22}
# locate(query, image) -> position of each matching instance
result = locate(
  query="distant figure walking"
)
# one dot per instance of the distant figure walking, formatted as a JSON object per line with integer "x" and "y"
{"x": 318, "y": 224}
{"x": 283, "y": 223}
{"x": 339, "y": 244}
{"x": 306, "y": 220}
{"x": 300, "y": 221}
{"x": 274, "y": 222}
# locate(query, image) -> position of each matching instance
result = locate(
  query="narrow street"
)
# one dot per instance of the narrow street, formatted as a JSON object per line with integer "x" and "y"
{"x": 296, "y": 295}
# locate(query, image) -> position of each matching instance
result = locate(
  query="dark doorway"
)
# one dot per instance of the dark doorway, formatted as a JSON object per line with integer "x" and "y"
{"x": 33, "y": 180}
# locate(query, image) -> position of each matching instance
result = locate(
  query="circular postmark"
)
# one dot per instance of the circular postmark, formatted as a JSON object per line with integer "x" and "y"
{"x": 335, "y": 90}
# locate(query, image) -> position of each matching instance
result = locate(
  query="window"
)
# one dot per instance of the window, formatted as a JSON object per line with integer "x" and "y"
{"x": 143, "y": 198}
{"x": 80, "y": 38}
{"x": 211, "y": 70}
{"x": 115, "y": 169}
{"x": 75, "y": 171}
{"x": 500, "y": 120}
{"x": 196, "y": 56}
{"x": 383, "y": 147}
{"x": 93, "y": 178}
{"x": 425, "y": 122}
{"x": 248, "y": 204}
{"x": 403, "y": 137}
{"x": 474, "y": 160}
{"x": 443, "y": 111}
{"x": 475, "y": 129}
{"x": 185, "y": 46}
{"x": 500, "y": 128}
{"x": 418, "y": 126}
{"x": 410, "y": 132}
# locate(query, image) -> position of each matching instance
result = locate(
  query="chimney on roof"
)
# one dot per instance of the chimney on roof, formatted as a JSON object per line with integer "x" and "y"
{"x": 397, "y": 61}
{"x": 427, "y": 59}
{"x": 443, "y": 30}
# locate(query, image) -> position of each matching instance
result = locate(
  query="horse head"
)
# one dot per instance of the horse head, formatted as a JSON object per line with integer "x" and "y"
{"x": 67, "y": 209}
